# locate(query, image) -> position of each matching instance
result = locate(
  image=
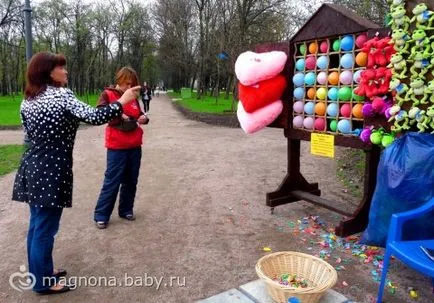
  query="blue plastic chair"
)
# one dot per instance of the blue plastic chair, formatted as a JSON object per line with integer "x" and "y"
{"x": 409, "y": 252}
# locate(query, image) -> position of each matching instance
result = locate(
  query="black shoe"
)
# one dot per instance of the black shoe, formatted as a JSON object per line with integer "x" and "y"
{"x": 129, "y": 217}
{"x": 101, "y": 224}
{"x": 60, "y": 273}
{"x": 50, "y": 291}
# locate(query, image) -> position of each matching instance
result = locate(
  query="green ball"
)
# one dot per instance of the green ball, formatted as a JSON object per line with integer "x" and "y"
{"x": 336, "y": 45}
{"x": 376, "y": 138}
{"x": 387, "y": 140}
{"x": 303, "y": 49}
{"x": 357, "y": 97}
{"x": 333, "y": 125}
{"x": 344, "y": 93}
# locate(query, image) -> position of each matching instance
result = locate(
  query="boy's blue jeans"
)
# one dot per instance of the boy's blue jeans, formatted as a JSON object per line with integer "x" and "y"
{"x": 44, "y": 224}
{"x": 123, "y": 166}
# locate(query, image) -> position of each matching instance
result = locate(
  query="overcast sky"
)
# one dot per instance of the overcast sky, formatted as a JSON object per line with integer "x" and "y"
{"x": 84, "y": 1}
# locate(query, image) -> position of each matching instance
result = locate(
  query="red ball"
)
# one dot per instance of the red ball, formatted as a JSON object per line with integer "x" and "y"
{"x": 310, "y": 63}
{"x": 378, "y": 104}
{"x": 324, "y": 47}
{"x": 360, "y": 40}
{"x": 320, "y": 124}
{"x": 346, "y": 110}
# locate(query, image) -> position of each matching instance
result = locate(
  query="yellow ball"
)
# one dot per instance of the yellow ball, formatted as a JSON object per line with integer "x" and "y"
{"x": 321, "y": 93}
{"x": 413, "y": 294}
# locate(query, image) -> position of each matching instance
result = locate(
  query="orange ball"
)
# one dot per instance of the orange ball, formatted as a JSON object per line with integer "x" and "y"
{"x": 320, "y": 108}
{"x": 334, "y": 78}
{"x": 362, "y": 59}
{"x": 313, "y": 47}
{"x": 357, "y": 111}
{"x": 311, "y": 93}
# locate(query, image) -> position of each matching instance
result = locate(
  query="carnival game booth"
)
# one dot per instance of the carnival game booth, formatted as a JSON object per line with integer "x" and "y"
{"x": 321, "y": 104}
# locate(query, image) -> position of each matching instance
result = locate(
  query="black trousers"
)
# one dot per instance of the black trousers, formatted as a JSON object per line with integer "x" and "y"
{"x": 146, "y": 105}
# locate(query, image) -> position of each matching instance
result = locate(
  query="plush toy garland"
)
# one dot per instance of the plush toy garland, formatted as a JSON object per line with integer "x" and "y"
{"x": 415, "y": 48}
{"x": 374, "y": 85}
{"x": 412, "y": 66}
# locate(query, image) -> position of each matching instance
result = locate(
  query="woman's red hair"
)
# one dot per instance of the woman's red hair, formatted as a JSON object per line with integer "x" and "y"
{"x": 38, "y": 73}
{"x": 126, "y": 74}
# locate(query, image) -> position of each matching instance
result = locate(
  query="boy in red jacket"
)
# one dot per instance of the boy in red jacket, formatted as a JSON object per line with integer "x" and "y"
{"x": 123, "y": 140}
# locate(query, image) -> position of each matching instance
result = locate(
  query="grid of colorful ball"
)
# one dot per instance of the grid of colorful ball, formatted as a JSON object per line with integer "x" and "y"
{"x": 326, "y": 75}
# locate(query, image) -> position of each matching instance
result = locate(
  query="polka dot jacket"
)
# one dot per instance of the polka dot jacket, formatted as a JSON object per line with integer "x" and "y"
{"x": 44, "y": 178}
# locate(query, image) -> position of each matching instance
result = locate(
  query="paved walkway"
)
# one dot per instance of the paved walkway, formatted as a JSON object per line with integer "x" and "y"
{"x": 201, "y": 216}
{"x": 255, "y": 292}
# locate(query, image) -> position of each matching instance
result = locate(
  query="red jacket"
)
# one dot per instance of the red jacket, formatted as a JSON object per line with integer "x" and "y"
{"x": 116, "y": 138}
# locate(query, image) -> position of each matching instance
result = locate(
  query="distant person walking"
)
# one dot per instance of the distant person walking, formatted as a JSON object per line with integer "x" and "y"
{"x": 145, "y": 93}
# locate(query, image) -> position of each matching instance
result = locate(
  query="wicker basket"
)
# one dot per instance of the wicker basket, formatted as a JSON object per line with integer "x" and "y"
{"x": 320, "y": 275}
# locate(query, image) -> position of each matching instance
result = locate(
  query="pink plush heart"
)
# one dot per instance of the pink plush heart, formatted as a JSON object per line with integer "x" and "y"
{"x": 253, "y": 122}
{"x": 252, "y": 68}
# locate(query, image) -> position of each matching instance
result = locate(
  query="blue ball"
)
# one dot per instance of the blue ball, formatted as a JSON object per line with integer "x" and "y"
{"x": 356, "y": 76}
{"x": 347, "y": 43}
{"x": 310, "y": 78}
{"x": 333, "y": 94}
{"x": 309, "y": 108}
{"x": 299, "y": 93}
{"x": 332, "y": 109}
{"x": 322, "y": 62}
{"x": 298, "y": 79}
{"x": 347, "y": 61}
{"x": 299, "y": 65}
{"x": 344, "y": 126}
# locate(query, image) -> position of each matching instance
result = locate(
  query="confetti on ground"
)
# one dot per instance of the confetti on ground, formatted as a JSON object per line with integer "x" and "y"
{"x": 266, "y": 249}
{"x": 413, "y": 294}
{"x": 333, "y": 248}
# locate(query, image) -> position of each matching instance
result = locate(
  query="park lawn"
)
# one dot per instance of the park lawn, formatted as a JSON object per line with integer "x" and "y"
{"x": 206, "y": 104}
{"x": 10, "y": 105}
{"x": 10, "y": 113}
{"x": 10, "y": 156}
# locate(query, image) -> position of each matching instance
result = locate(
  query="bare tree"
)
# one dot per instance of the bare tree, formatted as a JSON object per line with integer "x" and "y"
{"x": 374, "y": 10}
{"x": 10, "y": 12}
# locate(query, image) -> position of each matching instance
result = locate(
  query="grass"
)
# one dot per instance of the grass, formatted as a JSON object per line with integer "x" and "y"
{"x": 10, "y": 156}
{"x": 206, "y": 104}
{"x": 10, "y": 113}
{"x": 10, "y": 105}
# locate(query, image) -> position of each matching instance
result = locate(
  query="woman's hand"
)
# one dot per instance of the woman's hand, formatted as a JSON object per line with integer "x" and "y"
{"x": 143, "y": 119}
{"x": 129, "y": 95}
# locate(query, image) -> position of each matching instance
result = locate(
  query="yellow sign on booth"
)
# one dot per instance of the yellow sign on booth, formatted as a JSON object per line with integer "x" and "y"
{"x": 322, "y": 145}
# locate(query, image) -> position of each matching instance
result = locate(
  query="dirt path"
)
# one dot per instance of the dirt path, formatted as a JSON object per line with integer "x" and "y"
{"x": 200, "y": 209}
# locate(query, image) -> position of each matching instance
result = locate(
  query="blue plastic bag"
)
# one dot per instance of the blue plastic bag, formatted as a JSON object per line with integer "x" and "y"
{"x": 405, "y": 181}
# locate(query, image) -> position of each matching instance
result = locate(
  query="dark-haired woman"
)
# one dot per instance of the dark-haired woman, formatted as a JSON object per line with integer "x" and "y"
{"x": 51, "y": 114}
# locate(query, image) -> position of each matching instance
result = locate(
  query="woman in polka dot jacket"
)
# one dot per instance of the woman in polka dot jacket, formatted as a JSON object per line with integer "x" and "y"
{"x": 51, "y": 114}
